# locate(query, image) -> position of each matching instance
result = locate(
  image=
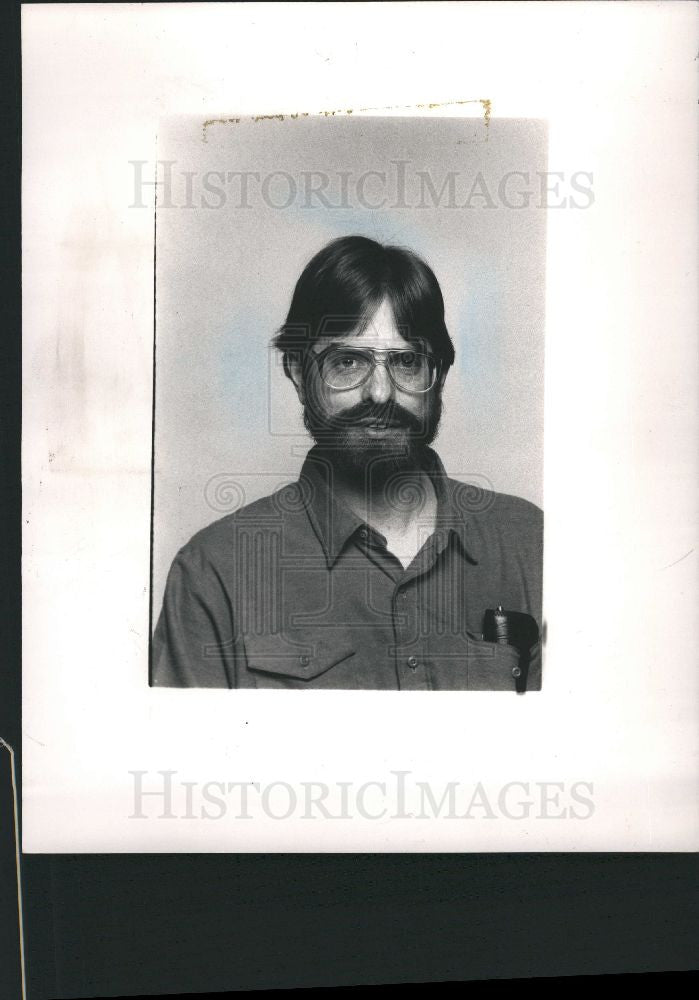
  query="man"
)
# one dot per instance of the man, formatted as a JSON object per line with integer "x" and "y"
{"x": 375, "y": 569}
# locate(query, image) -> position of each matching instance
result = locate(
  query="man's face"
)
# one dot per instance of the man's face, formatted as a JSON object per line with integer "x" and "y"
{"x": 377, "y": 426}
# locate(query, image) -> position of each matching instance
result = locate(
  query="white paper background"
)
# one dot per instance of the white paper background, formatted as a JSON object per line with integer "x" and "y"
{"x": 617, "y": 85}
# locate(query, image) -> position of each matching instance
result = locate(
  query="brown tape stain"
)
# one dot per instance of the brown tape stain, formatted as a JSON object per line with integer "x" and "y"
{"x": 485, "y": 103}
{"x": 217, "y": 121}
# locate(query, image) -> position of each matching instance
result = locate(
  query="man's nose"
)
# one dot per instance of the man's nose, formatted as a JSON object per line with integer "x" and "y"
{"x": 379, "y": 387}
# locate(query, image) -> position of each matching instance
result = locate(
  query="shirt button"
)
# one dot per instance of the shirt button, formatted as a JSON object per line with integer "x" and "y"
{"x": 516, "y": 671}
{"x": 404, "y": 594}
{"x": 304, "y": 660}
{"x": 412, "y": 662}
{"x": 363, "y": 533}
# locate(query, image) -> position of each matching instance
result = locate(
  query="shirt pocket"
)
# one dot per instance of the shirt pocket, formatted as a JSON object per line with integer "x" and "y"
{"x": 494, "y": 666}
{"x": 297, "y": 659}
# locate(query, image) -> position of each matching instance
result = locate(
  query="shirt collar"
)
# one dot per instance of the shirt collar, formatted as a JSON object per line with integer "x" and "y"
{"x": 335, "y": 523}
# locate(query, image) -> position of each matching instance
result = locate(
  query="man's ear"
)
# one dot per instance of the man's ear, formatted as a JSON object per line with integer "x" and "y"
{"x": 293, "y": 366}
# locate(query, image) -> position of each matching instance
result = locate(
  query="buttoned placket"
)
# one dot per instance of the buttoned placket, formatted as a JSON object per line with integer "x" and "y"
{"x": 410, "y": 660}
{"x": 409, "y": 652}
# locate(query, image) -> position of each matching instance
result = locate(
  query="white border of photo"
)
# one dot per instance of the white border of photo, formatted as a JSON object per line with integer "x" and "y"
{"x": 616, "y": 721}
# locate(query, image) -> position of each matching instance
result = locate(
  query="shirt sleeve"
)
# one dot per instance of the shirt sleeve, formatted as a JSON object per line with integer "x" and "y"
{"x": 194, "y": 644}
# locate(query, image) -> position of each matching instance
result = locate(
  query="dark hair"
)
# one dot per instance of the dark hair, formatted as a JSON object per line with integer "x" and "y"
{"x": 343, "y": 285}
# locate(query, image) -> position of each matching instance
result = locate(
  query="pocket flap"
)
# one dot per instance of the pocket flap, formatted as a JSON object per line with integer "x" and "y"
{"x": 299, "y": 654}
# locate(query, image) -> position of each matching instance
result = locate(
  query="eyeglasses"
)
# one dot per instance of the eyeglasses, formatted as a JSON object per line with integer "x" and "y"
{"x": 349, "y": 367}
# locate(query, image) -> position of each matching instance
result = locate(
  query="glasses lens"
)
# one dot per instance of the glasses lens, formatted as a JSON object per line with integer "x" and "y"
{"x": 345, "y": 369}
{"x": 412, "y": 371}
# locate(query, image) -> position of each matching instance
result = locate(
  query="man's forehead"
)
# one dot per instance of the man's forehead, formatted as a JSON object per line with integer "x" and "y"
{"x": 385, "y": 343}
{"x": 379, "y": 330}
{"x": 378, "y": 337}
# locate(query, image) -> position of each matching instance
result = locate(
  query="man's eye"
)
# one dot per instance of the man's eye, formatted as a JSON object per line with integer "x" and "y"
{"x": 408, "y": 359}
{"x": 347, "y": 361}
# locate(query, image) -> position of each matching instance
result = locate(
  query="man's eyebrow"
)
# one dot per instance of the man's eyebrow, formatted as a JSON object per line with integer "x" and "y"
{"x": 324, "y": 344}
{"x": 366, "y": 348}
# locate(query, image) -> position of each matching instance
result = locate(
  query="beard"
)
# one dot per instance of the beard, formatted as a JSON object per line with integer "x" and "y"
{"x": 371, "y": 442}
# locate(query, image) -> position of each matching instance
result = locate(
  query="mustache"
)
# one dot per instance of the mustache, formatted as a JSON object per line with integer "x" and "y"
{"x": 367, "y": 415}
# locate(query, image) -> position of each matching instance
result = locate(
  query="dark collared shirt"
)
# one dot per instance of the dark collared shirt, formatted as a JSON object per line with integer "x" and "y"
{"x": 296, "y": 591}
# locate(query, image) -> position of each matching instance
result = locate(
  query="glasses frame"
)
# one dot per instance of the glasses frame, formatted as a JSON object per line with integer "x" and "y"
{"x": 373, "y": 351}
